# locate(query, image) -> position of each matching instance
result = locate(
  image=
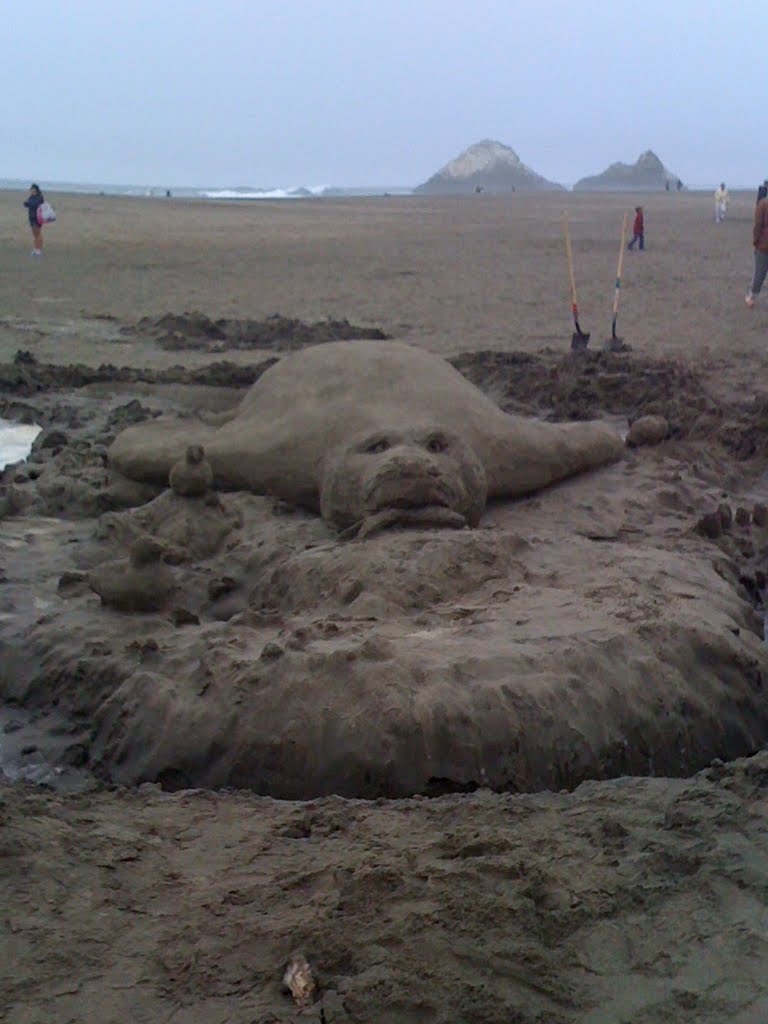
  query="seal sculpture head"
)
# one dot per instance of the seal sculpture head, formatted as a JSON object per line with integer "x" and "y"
{"x": 405, "y": 476}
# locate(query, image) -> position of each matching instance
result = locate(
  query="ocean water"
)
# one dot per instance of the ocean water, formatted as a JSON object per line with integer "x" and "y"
{"x": 297, "y": 192}
{"x": 214, "y": 192}
{"x": 15, "y": 441}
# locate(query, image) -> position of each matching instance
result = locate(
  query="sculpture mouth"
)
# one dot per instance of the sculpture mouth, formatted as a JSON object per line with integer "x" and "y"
{"x": 408, "y": 504}
{"x": 415, "y": 492}
{"x": 425, "y": 515}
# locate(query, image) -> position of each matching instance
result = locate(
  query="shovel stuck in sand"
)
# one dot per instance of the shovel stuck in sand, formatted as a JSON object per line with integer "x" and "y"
{"x": 579, "y": 339}
{"x": 615, "y": 344}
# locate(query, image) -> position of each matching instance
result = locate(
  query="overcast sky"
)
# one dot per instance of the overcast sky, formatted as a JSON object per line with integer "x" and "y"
{"x": 279, "y": 93}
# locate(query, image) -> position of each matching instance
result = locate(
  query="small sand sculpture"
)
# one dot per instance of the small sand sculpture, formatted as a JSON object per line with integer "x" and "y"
{"x": 141, "y": 583}
{"x": 192, "y": 476}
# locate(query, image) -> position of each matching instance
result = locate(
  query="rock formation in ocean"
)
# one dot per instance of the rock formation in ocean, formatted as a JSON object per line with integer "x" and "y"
{"x": 647, "y": 174}
{"x": 487, "y": 166}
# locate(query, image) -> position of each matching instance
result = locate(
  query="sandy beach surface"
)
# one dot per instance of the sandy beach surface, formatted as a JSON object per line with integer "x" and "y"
{"x": 172, "y": 827}
{"x": 450, "y": 274}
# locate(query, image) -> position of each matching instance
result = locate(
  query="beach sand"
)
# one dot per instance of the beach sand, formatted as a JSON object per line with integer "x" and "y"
{"x": 637, "y": 899}
{"x": 450, "y": 274}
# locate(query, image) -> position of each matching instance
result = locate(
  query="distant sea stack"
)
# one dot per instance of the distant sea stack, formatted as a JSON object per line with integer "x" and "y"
{"x": 648, "y": 174}
{"x": 488, "y": 167}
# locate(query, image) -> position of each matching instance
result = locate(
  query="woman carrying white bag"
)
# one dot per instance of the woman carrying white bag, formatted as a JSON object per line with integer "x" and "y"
{"x": 40, "y": 212}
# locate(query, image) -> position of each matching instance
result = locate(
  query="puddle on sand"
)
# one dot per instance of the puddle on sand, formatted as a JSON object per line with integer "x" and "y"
{"x": 16, "y": 441}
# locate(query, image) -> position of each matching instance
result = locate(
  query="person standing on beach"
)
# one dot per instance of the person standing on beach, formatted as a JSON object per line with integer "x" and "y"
{"x": 638, "y": 229}
{"x": 721, "y": 202}
{"x": 760, "y": 242}
{"x": 762, "y": 191}
{"x": 33, "y": 200}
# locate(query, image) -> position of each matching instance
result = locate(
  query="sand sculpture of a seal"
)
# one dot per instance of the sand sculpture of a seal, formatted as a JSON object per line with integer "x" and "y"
{"x": 370, "y": 434}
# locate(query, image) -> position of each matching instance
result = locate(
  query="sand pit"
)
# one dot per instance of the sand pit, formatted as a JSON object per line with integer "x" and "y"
{"x": 598, "y": 628}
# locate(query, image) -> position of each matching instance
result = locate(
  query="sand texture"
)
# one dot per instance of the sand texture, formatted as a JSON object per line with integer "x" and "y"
{"x": 512, "y": 772}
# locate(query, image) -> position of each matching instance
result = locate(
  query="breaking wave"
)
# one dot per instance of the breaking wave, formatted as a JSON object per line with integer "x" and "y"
{"x": 299, "y": 192}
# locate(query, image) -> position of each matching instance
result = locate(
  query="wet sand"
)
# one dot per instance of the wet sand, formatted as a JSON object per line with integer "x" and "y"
{"x": 629, "y": 900}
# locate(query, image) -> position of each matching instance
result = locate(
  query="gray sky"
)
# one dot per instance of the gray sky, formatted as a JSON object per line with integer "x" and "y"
{"x": 377, "y": 92}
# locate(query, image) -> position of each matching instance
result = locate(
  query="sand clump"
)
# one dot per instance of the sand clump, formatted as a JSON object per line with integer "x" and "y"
{"x": 197, "y": 331}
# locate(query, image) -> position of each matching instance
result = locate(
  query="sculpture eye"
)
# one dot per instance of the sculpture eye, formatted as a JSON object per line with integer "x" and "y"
{"x": 379, "y": 445}
{"x": 437, "y": 443}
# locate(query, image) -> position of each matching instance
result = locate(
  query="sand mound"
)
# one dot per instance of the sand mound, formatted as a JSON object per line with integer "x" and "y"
{"x": 195, "y": 330}
{"x": 586, "y": 632}
{"x": 545, "y": 649}
{"x": 621, "y": 384}
{"x": 25, "y": 376}
{"x": 493, "y": 695}
{"x": 190, "y": 529}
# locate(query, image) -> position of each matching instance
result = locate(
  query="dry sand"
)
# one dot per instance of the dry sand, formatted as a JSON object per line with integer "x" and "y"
{"x": 628, "y": 900}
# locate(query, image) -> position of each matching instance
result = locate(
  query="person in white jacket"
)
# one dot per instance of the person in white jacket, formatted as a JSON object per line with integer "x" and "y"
{"x": 721, "y": 202}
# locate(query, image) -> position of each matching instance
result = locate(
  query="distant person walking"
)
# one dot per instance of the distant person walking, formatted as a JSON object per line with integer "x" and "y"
{"x": 760, "y": 242}
{"x": 33, "y": 200}
{"x": 638, "y": 229}
{"x": 721, "y": 202}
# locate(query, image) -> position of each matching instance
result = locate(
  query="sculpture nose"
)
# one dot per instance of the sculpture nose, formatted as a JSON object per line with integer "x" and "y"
{"x": 417, "y": 464}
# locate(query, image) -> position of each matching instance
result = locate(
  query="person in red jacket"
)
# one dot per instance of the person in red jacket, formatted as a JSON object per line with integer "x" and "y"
{"x": 638, "y": 229}
{"x": 760, "y": 242}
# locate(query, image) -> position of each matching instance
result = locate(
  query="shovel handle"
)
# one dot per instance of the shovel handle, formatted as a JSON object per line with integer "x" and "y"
{"x": 620, "y": 267}
{"x": 569, "y": 254}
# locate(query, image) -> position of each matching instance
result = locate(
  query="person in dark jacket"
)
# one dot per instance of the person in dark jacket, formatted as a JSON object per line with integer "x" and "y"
{"x": 762, "y": 192}
{"x": 33, "y": 200}
{"x": 638, "y": 229}
{"x": 760, "y": 242}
